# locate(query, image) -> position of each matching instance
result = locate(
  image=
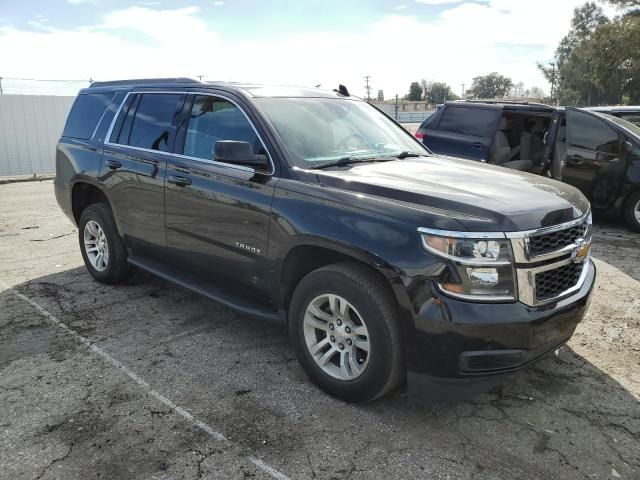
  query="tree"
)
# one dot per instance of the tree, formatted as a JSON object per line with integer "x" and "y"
{"x": 439, "y": 92}
{"x": 518, "y": 90}
{"x": 552, "y": 76}
{"x": 536, "y": 92}
{"x": 493, "y": 85}
{"x": 415, "y": 92}
{"x": 624, "y": 3}
{"x": 598, "y": 61}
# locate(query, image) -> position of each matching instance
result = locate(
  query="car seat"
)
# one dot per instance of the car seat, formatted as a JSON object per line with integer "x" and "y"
{"x": 501, "y": 152}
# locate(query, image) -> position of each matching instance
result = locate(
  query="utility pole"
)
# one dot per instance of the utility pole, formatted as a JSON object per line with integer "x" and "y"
{"x": 553, "y": 80}
{"x": 1, "y": 86}
{"x": 395, "y": 108}
{"x": 200, "y": 77}
{"x": 463, "y": 85}
{"x": 367, "y": 87}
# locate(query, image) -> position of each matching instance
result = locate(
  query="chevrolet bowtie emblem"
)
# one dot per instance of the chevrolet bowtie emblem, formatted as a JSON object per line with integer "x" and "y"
{"x": 581, "y": 252}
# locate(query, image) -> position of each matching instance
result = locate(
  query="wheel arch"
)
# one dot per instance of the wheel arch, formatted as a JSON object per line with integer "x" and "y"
{"x": 314, "y": 253}
{"x": 84, "y": 194}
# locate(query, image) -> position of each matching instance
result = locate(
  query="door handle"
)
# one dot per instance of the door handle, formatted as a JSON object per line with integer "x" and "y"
{"x": 478, "y": 145}
{"x": 179, "y": 180}
{"x": 113, "y": 164}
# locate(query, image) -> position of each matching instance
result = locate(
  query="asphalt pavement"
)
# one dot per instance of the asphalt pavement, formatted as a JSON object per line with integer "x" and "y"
{"x": 148, "y": 380}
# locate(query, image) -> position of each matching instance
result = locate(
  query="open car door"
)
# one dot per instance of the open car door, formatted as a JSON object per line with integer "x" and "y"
{"x": 463, "y": 131}
{"x": 595, "y": 161}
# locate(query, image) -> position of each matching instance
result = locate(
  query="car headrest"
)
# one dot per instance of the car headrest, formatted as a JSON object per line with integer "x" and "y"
{"x": 504, "y": 123}
{"x": 537, "y": 126}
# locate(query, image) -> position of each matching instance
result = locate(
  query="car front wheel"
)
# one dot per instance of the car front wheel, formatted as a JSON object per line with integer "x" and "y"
{"x": 343, "y": 324}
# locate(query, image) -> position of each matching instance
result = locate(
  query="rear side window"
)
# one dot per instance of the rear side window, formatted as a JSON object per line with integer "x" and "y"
{"x": 591, "y": 133}
{"x": 149, "y": 120}
{"x": 85, "y": 115}
{"x": 469, "y": 121}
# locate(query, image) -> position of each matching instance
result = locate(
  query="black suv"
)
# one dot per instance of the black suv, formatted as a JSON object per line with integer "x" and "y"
{"x": 596, "y": 152}
{"x": 315, "y": 209}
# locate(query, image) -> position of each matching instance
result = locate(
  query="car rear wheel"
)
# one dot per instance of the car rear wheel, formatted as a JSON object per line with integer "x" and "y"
{"x": 343, "y": 324}
{"x": 103, "y": 250}
{"x": 632, "y": 211}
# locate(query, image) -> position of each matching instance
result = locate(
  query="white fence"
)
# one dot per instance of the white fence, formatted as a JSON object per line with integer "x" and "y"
{"x": 30, "y": 126}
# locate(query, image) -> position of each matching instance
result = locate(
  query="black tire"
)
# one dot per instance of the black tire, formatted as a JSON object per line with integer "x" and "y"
{"x": 117, "y": 268}
{"x": 630, "y": 211}
{"x": 365, "y": 290}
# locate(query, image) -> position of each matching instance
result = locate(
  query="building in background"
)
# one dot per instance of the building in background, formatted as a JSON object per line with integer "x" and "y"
{"x": 30, "y": 126}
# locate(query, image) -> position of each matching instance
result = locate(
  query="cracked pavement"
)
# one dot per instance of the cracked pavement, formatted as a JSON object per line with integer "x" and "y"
{"x": 67, "y": 413}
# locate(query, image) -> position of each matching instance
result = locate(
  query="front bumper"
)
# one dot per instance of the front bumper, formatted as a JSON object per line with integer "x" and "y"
{"x": 457, "y": 343}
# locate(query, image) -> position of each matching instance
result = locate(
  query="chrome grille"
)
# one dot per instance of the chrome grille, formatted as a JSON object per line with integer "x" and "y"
{"x": 550, "y": 242}
{"x": 552, "y": 283}
{"x": 551, "y": 262}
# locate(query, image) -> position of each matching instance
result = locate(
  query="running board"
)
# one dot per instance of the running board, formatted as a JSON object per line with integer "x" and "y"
{"x": 207, "y": 289}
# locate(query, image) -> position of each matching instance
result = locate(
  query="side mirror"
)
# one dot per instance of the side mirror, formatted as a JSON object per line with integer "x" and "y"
{"x": 240, "y": 153}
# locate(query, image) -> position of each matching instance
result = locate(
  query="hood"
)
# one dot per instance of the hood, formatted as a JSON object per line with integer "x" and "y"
{"x": 484, "y": 198}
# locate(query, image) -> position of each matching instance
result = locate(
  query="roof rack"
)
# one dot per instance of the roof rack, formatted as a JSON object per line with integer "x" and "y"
{"x": 506, "y": 102}
{"x": 144, "y": 81}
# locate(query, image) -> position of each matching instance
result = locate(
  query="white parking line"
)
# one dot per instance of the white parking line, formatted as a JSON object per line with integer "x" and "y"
{"x": 143, "y": 384}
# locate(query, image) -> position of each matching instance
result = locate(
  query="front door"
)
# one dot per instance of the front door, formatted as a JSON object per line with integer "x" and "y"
{"x": 134, "y": 163}
{"x": 217, "y": 214}
{"x": 595, "y": 163}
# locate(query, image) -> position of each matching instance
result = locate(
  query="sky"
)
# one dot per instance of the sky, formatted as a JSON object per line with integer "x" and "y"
{"x": 287, "y": 42}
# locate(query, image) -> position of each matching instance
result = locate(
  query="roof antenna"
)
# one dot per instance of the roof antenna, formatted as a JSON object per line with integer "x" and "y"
{"x": 342, "y": 90}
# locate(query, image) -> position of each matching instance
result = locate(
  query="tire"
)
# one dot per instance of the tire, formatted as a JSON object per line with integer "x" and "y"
{"x": 366, "y": 301}
{"x": 114, "y": 267}
{"x": 632, "y": 211}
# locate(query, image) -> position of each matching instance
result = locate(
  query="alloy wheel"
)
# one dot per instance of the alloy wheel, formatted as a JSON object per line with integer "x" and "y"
{"x": 96, "y": 246}
{"x": 336, "y": 337}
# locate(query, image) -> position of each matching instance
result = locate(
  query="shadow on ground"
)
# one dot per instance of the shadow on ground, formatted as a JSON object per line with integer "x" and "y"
{"x": 73, "y": 414}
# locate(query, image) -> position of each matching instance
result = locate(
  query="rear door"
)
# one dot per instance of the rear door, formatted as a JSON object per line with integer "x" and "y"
{"x": 595, "y": 161}
{"x": 136, "y": 151}
{"x": 464, "y": 131}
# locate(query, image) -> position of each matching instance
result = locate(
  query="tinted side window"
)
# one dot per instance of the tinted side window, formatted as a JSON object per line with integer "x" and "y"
{"x": 591, "y": 133}
{"x": 85, "y": 114}
{"x": 213, "y": 119}
{"x": 150, "y": 121}
{"x": 469, "y": 121}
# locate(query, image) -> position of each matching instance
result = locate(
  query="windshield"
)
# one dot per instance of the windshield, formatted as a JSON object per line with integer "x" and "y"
{"x": 631, "y": 127}
{"x": 320, "y": 130}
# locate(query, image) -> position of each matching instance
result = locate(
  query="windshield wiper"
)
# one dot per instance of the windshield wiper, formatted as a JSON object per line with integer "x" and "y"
{"x": 349, "y": 161}
{"x": 405, "y": 154}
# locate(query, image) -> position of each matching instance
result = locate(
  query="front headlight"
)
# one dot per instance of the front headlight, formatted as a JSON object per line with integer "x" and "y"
{"x": 482, "y": 266}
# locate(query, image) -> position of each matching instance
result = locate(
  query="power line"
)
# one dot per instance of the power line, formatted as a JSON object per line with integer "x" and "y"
{"x": 368, "y": 87}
